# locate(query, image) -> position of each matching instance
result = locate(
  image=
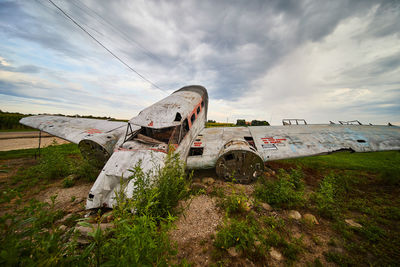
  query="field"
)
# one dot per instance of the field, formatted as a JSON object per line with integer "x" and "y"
{"x": 341, "y": 209}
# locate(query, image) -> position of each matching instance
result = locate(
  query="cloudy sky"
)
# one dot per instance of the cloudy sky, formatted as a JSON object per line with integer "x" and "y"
{"x": 266, "y": 60}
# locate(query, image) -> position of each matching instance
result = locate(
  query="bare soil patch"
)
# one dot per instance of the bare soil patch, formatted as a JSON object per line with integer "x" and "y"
{"x": 24, "y": 140}
{"x": 71, "y": 199}
{"x": 195, "y": 229}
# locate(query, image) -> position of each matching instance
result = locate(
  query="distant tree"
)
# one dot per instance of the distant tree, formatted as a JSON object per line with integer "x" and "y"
{"x": 212, "y": 121}
{"x": 259, "y": 123}
{"x": 241, "y": 122}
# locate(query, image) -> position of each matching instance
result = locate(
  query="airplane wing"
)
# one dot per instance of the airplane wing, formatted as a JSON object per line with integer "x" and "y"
{"x": 71, "y": 129}
{"x": 215, "y": 147}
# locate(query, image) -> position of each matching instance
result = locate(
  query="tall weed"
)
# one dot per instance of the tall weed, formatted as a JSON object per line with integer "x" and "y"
{"x": 286, "y": 191}
{"x": 158, "y": 195}
{"x": 331, "y": 191}
{"x": 29, "y": 237}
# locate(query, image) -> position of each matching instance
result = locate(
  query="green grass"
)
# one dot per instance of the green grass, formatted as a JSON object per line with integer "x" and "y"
{"x": 371, "y": 161}
{"x": 235, "y": 203}
{"x": 65, "y": 149}
{"x": 55, "y": 162}
{"x": 287, "y": 191}
{"x": 139, "y": 238}
{"x": 219, "y": 124}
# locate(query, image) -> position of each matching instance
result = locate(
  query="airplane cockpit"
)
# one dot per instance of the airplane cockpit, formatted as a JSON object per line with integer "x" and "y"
{"x": 155, "y": 138}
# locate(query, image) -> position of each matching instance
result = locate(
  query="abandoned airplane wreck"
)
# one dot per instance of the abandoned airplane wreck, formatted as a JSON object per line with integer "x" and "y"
{"x": 177, "y": 123}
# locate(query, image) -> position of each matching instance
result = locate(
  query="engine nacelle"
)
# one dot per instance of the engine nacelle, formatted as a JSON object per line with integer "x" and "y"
{"x": 98, "y": 148}
{"x": 240, "y": 161}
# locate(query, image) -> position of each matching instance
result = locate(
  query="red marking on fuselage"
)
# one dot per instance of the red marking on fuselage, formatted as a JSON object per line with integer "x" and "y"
{"x": 150, "y": 124}
{"x": 93, "y": 131}
{"x": 271, "y": 140}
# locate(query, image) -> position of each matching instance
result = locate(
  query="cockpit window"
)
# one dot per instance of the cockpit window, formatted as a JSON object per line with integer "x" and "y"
{"x": 198, "y": 110}
{"x": 162, "y": 135}
{"x": 178, "y": 117}
{"x": 192, "y": 118}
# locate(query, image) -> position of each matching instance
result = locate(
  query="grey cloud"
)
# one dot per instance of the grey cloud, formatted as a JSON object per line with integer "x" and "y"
{"x": 15, "y": 22}
{"x": 22, "y": 69}
{"x": 385, "y": 21}
{"x": 376, "y": 67}
{"x": 246, "y": 39}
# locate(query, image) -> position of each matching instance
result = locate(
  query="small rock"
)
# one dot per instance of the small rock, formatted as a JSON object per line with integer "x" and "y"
{"x": 197, "y": 187}
{"x": 83, "y": 230}
{"x": 79, "y": 200}
{"x": 247, "y": 206}
{"x": 107, "y": 217}
{"x": 337, "y": 250}
{"x": 266, "y": 206}
{"x": 67, "y": 217}
{"x": 72, "y": 177}
{"x": 249, "y": 263}
{"x": 82, "y": 240}
{"x": 309, "y": 218}
{"x": 196, "y": 180}
{"x": 104, "y": 226}
{"x": 294, "y": 214}
{"x": 110, "y": 218}
{"x": 209, "y": 190}
{"x": 233, "y": 252}
{"x": 62, "y": 228}
{"x": 275, "y": 254}
{"x": 353, "y": 223}
{"x": 208, "y": 181}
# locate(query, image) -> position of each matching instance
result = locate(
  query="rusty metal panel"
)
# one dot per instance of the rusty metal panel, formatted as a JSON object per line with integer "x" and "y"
{"x": 213, "y": 140}
{"x": 71, "y": 129}
{"x": 163, "y": 113}
{"x": 102, "y": 193}
{"x": 281, "y": 142}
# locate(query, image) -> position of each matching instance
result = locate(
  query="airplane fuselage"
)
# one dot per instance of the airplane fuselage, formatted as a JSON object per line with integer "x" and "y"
{"x": 170, "y": 124}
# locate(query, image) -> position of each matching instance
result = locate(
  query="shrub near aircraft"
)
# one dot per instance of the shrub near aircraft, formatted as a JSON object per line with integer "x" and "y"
{"x": 177, "y": 122}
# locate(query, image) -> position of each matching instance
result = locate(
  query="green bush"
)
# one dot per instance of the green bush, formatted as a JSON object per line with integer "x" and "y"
{"x": 86, "y": 171}
{"x": 236, "y": 202}
{"x": 275, "y": 232}
{"x": 29, "y": 237}
{"x": 339, "y": 258}
{"x": 331, "y": 190}
{"x": 141, "y": 239}
{"x": 138, "y": 242}
{"x": 238, "y": 234}
{"x": 156, "y": 196}
{"x": 53, "y": 164}
{"x": 286, "y": 191}
{"x": 68, "y": 182}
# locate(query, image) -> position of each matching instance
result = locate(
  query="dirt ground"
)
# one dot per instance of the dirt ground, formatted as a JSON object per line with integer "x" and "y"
{"x": 195, "y": 229}
{"x": 24, "y": 140}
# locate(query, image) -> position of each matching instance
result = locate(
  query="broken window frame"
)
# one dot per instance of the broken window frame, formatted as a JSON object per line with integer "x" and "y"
{"x": 131, "y": 134}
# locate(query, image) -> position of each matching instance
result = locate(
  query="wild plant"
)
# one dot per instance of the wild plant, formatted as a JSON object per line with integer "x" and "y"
{"x": 286, "y": 191}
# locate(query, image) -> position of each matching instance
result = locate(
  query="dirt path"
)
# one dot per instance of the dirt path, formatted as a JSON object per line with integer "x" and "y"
{"x": 24, "y": 140}
{"x": 29, "y": 134}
